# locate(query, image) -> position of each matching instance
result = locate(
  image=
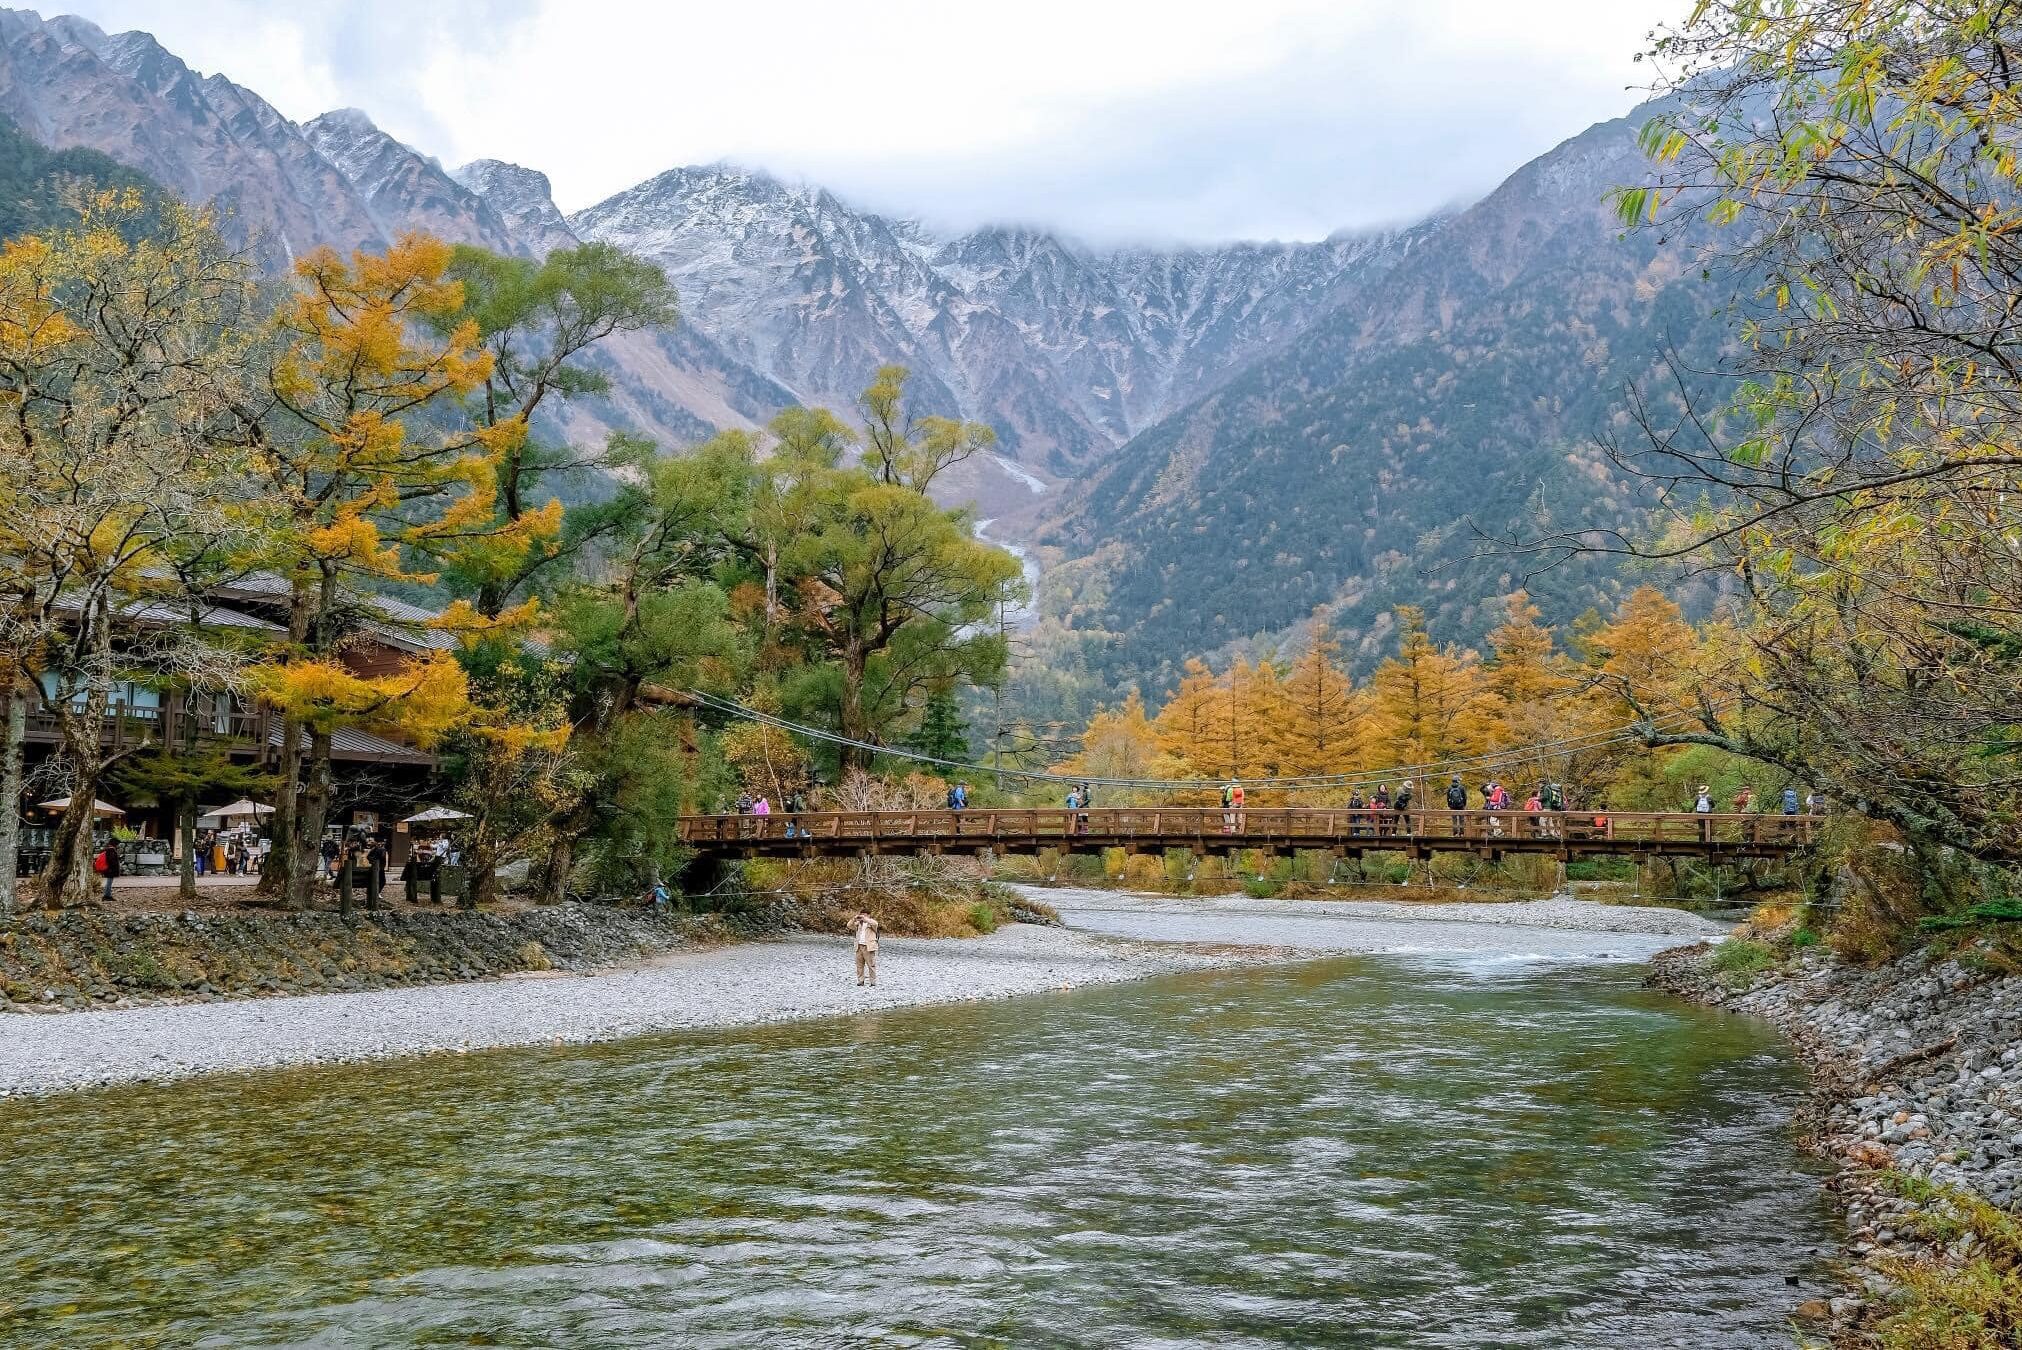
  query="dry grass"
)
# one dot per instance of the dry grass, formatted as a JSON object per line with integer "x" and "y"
{"x": 1964, "y": 1304}
{"x": 940, "y": 898}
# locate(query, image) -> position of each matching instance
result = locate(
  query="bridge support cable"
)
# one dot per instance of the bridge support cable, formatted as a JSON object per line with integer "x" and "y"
{"x": 1633, "y": 734}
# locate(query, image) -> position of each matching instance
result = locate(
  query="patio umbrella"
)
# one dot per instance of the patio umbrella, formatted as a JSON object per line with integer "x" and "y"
{"x": 98, "y": 808}
{"x": 435, "y": 813}
{"x": 241, "y": 807}
{"x": 217, "y": 817}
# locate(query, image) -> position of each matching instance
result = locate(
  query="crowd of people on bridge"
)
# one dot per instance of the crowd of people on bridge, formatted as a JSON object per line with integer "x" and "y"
{"x": 1384, "y": 811}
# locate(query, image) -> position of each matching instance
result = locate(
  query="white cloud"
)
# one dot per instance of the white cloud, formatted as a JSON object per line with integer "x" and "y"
{"x": 1187, "y": 119}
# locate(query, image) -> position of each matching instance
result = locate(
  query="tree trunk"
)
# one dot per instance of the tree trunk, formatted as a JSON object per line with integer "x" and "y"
{"x": 554, "y": 882}
{"x": 480, "y": 886}
{"x": 186, "y": 837}
{"x": 852, "y": 711}
{"x": 278, "y": 869}
{"x": 315, "y": 816}
{"x": 10, "y": 799}
{"x": 67, "y": 879}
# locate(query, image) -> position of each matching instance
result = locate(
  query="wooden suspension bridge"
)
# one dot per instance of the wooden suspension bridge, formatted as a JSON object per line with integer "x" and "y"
{"x": 1565, "y": 835}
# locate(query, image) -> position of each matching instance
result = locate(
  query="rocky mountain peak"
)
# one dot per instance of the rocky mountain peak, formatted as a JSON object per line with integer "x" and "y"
{"x": 523, "y": 198}
{"x": 1065, "y": 350}
{"x": 69, "y": 28}
{"x": 404, "y": 189}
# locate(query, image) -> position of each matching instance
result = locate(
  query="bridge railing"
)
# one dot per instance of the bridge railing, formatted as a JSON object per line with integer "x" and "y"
{"x": 1214, "y": 827}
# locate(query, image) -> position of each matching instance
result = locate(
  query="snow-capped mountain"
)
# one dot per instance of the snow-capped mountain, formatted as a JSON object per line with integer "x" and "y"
{"x": 1066, "y": 351}
{"x": 405, "y": 190}
{"x": 788, "y": 293}
{"x": 67, "y": 83}
{"x": 523, "y": 199}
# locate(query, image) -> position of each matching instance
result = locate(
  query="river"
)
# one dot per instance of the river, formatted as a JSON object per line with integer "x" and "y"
{"x": 1357, "y": 1151}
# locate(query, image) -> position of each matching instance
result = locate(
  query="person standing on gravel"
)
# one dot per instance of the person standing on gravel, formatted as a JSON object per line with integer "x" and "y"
{"x": 867, "y": 948}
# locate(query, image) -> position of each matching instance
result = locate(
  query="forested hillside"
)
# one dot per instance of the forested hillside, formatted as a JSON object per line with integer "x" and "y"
{"x": 1358, "y": 466}
{"x": 40, "y": 187}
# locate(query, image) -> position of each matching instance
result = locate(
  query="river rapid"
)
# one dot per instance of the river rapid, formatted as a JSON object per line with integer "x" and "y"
{"x": 1448, "y": 1150}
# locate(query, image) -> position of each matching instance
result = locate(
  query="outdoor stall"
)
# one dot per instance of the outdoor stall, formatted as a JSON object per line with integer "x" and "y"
{"x": 436, "y": 859}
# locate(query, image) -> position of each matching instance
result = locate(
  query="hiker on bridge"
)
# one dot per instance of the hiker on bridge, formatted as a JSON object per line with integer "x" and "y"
{"x": 867, "y": 947}
{"x": 1703, "y": 805}
{"x": 1402, "y": 807}
{"x": 1554, "y": 800}
{"x": 1456, "y": 802}
{"x": 1790, "y": 802}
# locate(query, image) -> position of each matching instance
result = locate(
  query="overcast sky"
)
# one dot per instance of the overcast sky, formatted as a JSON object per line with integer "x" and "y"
{"x": 1113, "y": 120}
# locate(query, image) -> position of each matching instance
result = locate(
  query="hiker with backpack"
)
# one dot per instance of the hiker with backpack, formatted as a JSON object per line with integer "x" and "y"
{"x": 1456, "y": 802}
{"x": 106, "y": 864}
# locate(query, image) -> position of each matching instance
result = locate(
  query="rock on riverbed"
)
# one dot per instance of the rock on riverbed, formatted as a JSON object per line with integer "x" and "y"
{"x": 1919, "y": 1070}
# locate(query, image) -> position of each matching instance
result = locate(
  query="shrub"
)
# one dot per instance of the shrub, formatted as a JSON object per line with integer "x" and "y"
{"x": 1975, "y": 1302}
{"x": 1601, "y": 869}
{"x": 983, "y": 917}
{"x": 1738, "y": 960}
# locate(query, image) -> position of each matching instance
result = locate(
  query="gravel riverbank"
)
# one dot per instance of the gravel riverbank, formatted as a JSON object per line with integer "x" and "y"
{"x": 740, "y": 984}
{"x": 1918, "y": 1073}
{"x": 1560, "y": 928}
{"x": 1111, "y": 937}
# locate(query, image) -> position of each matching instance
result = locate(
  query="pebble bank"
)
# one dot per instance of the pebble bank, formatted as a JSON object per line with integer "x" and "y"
{"x": 93, "y": 959}
{"x": 741, "y": 984}
{"x": 1918, "y": 1066}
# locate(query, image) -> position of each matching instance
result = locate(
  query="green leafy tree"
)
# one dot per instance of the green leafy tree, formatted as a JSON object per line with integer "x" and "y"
{"x": 539, "y": 321}
{"x": 180, "y": 773}
{"x": 1858, "y": 163}
{"x": 943, "y": 731}
{"x": 893, "y": 591}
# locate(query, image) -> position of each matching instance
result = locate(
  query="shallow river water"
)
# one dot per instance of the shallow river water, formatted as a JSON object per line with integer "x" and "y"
{"x": 1361, "y": 1151}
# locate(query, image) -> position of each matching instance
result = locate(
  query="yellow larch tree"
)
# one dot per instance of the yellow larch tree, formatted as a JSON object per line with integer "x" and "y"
{"x": 1428, "y": 703}
{"x": 1539, "y": 711}
{"x": 1648, "y": 658}
{"x": 1123, "y": 743}
{"x": 1185, "y": 725}
{"x": 1320, "y": 730}
{"x": 366, "y": 463}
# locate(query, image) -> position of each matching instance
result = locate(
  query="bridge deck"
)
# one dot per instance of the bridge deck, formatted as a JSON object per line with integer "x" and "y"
{"x": 832, "y": 834}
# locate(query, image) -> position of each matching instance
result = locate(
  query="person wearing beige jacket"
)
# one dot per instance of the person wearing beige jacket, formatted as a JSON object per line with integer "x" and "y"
{"x": 867, "y": 947}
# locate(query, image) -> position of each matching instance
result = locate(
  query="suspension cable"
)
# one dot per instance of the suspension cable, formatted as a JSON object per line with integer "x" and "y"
{"x": 1590, "y": 741}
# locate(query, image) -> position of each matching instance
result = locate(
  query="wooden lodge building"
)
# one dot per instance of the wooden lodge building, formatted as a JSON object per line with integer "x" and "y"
{"x": 378, "y": 781}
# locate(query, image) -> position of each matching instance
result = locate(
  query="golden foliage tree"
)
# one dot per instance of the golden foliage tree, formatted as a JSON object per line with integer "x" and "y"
{"x": 1320, "y": 729}
{"x": 1428, "y": 703}
{"x": 1123, "y": 743}
{"x": 123, "y": 345}
{"x": 364, "y": 464}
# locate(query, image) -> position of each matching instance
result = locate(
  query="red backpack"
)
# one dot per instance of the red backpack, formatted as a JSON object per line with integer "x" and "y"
{"x": 98, "y": 863}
